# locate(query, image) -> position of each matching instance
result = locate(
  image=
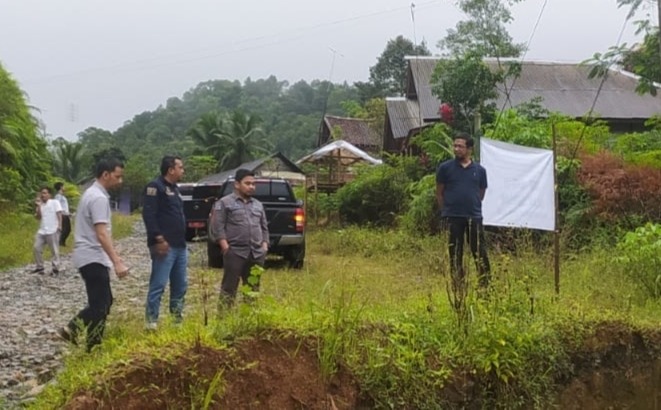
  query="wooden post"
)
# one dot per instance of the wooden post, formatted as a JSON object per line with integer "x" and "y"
{"x": 316, "y": 195}
{"x": 556, "y": 232}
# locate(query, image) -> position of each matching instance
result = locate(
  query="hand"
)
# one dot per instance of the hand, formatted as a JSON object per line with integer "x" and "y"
{"x": 265, "y": 246}
{"x": 162, "y": 248}
{"x": 120, "y": 269}
{"x": 224, "y": 246}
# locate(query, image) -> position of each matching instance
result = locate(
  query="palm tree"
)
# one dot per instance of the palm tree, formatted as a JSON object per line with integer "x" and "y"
{"x": 242, "y": 138}
{"x": 69, "y": 161}
{"x": 206, "y": 132}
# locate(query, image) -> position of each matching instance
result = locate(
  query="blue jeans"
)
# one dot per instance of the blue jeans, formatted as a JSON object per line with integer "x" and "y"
{"x": 163, "y": 268}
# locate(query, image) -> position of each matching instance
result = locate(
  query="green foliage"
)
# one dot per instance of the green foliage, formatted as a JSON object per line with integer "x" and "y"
{"x": 420, "y": 215}
{"x": 290, "y": 117}
{"x": 435, "y": 142}
{"x": 521, "y": 130}
{"x": 644, "y": 59}
{"x": 466, "y": 83}
{"x": 638, "y": 258}
{"x": 388, "y": 76}
{"x": 70, "y": 161}
{"x": 23, "y": 151}
{"x": 199, "y": 166}
{"x": 484, "y": 30}
{"x": 375, "y": 197}
{"x": 138, "y": 171}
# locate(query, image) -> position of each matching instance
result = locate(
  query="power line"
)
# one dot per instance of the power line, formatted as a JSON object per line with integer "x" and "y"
{"x": 432, "y": 3}
{"x": 523, "y": 56}
{"x": 601, "y": 85}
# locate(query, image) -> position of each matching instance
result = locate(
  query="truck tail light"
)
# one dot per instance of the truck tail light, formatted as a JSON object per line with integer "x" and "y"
{"x": 299, "y": 217}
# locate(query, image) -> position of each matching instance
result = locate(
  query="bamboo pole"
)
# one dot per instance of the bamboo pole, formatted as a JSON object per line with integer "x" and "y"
{"x": 556, "y": 232}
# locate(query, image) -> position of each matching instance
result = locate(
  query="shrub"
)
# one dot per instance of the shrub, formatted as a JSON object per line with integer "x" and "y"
{"x": 375, "y": 197}
{"x": 620, "y": 192}
{"x": 638, "y": 257}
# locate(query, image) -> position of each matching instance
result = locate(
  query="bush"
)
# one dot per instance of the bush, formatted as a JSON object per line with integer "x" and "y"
{"x": 420, "y": 216}
{"x": 621, "y": 192}
{"x": 375, "y": 197}
{"x": 638, "y": 257}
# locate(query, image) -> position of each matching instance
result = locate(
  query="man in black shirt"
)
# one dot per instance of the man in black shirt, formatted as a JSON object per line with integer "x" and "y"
{"x": 163, "y": 214}
{"x": 460, "y": 187}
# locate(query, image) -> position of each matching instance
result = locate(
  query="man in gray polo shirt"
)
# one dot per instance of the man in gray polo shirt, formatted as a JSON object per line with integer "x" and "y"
{"x": 239, "y": 226}
{"x": 94, "y": 253}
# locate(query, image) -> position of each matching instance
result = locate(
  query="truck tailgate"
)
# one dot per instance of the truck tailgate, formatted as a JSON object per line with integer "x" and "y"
{"x": 281, "y": 218}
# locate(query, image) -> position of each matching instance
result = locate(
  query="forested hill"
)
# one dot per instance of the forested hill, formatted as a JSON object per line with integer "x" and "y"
{"x": 289, "y": 114}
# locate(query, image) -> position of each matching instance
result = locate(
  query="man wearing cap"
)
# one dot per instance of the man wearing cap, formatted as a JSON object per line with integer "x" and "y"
{"x": 239, "y": 227}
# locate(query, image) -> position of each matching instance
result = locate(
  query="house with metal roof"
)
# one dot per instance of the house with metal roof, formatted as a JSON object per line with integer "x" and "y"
{"x": 562, "y": 87}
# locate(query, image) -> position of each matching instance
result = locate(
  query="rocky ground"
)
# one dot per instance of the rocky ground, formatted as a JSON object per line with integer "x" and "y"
{"x": 34, "y": 306}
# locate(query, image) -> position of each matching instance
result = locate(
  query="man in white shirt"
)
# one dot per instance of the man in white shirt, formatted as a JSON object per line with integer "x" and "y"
{"x": 49, "y": 213}
{"x": 66, "y": 221}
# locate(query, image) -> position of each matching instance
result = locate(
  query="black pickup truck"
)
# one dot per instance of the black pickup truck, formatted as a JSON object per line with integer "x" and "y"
{"x": 285, "y": 217}
{"x": 198, "y": 199}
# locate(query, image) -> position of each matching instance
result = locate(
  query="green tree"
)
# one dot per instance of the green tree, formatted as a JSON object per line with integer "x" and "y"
{"x": 484, "y": 31}
{"x": 69, "y": 161}
{"x": 23, "y": 151}
{"x": 643, "y": 59}
{"x": 242, "y": 139}
{"x": 388, "y": 76}
{"x": 199, "y": 166}
{"x": 468, "y": 85}
{"x": 207, "y": 134}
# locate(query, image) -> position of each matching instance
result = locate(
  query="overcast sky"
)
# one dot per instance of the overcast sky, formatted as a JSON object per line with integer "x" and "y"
{"x": 98, "y": 63}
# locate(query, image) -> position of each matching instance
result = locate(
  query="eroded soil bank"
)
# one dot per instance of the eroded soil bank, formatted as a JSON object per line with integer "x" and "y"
{"x": 614, "y": 368}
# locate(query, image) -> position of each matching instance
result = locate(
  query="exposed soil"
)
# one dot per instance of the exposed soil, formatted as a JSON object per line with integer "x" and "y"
{"x": 257, "y": 374}
{"x": 614, "y": 368}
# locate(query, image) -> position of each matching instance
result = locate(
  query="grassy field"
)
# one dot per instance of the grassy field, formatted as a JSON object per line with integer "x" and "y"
{"x": 17, "y": 232}
{"x": 377, "y": 303}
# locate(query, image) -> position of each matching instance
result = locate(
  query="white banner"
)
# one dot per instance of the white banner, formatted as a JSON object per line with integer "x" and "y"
{"x": 520, "y": 186}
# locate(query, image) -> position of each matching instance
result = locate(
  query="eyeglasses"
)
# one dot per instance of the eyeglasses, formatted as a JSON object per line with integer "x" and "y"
{"x": 460, "y": 146}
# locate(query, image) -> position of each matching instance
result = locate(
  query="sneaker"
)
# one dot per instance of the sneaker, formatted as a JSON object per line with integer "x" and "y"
{"x": 65, "y": 334}
{"x": 151, "y": 326}
{"x": 39, "y": 271}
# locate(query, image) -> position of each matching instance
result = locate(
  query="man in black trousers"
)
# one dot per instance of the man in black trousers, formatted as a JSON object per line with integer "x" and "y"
{"x": 94, "y": 254}
{"x": 460, "y": 187}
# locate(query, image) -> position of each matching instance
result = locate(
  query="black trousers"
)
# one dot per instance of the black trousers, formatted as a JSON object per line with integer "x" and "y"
{"x": 99, "y": 299}
{"x": 473, "y": 230}
{"x": 66, "y": 229}
{"x": 236, "y": 268}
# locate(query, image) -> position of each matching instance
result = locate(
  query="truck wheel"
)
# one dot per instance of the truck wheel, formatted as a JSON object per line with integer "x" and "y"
{"x": 214, "y": 255}
{"x": 296, "y": 256}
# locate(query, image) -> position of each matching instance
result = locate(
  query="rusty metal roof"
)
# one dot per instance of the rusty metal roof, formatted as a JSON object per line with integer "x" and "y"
{"x": 403, "y": 114}
{"x": 564, "y": 87}
{"x": 354, "y": 130}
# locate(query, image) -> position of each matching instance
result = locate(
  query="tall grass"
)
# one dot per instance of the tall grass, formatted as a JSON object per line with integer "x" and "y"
{"x": 377, "y": 302}
{"x": 17, "y": 231}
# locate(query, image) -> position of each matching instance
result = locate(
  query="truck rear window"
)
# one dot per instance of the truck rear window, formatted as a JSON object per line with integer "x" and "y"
{"x": 267, "y": 191}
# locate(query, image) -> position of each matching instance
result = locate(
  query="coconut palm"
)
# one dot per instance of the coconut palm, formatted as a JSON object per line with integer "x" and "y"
{"x": 243, "y": 139}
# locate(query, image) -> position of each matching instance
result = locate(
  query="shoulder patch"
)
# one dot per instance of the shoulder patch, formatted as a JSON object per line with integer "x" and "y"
{"x": 151, "y": 191}
{"x": 218, "y": 205}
